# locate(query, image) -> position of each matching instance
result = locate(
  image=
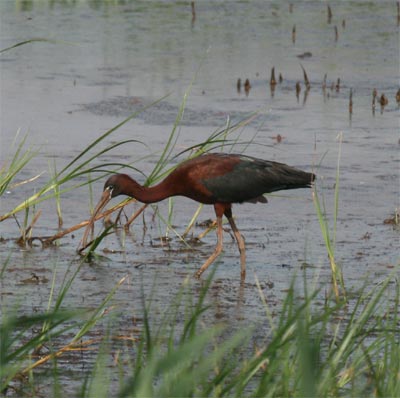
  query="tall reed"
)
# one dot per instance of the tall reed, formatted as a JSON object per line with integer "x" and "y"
{"x": 328, "y": 235}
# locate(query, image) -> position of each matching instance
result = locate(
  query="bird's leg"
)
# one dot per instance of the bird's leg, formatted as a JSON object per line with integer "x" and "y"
{"x": 241, "y": 246}
{"x": 240, "y": 243}
{"x": 217, "y": 250}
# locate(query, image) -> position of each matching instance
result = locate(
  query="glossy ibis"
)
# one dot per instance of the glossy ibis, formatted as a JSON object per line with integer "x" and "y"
{"x": 214, "y": 179}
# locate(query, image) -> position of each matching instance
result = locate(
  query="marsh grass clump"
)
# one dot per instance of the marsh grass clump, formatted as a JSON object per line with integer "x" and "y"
{"x": 309, "y": 350}
{"x": 312, "y": 348}
{"x": 328, "y": 232}
{"x": 30, "y": 342}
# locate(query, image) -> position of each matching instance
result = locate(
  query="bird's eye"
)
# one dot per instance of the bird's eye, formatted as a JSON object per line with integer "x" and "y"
{"x": 110, "y": 188}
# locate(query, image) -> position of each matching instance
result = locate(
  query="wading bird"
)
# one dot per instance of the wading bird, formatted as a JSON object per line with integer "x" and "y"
{"x": 214, "y": 179}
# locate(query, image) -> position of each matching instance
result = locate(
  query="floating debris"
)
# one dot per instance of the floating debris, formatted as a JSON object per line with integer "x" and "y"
{"x": 306, "y": 91}
{"x": 307, "y": 54}
{"x": 281, "y": 78}
{"x": 329, "y": 14}
{"x": 294, "y": 34}
{"x": 325, "y": 95}
{"x": 239, "y": 85}
{"x": 336, "y": 33}
{"x": 338, "y": 85}
{"x": 383, "y": 100}
{"x": 395, "y": 220}
{"x": 306, "y": 80}
{"x": 272, "y": 81}
{"x": 374, "y": 95}
{"x": 366, "y": 236}
{"x": 398, "y": 13}
{"x": 193, "y": 12}
{"x": 34, "y": 279}
{"x": 351, "y": 102}
{"x": 398, "y": 96}
{"x": 247, "y": 86}
{"x": 208, "y": 223}
{"x": 278, "y": 138}
{"x": 298, "y": 89}
{"x": 344, "y": 24}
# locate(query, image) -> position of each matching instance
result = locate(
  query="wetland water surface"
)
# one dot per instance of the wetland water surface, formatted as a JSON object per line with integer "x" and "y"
{"x": 108, "y": 60}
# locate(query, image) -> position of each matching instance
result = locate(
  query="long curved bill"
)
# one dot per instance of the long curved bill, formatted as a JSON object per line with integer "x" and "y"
{"x": 105, "y": 198}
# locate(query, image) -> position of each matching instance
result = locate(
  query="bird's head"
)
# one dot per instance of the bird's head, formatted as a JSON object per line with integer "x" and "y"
{"x": 117, "y": 185}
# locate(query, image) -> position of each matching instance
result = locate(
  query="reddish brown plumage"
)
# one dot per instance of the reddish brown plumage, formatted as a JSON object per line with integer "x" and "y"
{"x": 218, "y": 179}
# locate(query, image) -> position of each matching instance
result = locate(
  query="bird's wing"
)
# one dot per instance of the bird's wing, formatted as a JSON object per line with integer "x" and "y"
{"x": 250, "y": 178}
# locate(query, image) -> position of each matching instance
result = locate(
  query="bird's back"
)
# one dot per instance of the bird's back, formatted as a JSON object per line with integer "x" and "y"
{"x": 230, "y": 178}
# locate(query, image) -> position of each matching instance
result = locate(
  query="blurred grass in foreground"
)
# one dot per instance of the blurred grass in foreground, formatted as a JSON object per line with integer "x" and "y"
{"x": 312, "y": 348}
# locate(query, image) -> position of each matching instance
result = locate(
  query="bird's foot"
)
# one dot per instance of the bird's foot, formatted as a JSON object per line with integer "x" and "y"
{"x": 197, "y": 275}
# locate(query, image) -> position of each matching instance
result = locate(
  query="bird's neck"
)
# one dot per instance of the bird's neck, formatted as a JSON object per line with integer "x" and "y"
{"x": 152, "y": 194}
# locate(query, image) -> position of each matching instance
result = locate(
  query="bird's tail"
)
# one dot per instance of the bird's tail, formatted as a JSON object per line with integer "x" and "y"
{"x": 307, "y": 179}
{"x": 292, "y": 178}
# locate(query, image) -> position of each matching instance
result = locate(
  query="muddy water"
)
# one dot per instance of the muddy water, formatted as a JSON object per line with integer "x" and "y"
{"x": 106, "y": 61}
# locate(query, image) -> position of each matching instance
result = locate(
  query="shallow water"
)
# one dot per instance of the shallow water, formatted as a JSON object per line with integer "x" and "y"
{"x": 109, "y": 60}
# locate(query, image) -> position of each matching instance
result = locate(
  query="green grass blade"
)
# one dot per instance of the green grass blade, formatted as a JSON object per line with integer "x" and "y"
{"x": 34, "y": 40}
